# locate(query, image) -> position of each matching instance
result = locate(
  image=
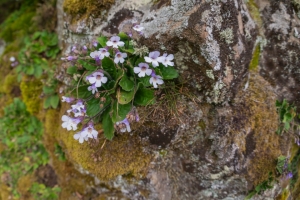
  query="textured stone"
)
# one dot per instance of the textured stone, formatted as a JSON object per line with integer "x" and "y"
{"x": 224, "y": 146}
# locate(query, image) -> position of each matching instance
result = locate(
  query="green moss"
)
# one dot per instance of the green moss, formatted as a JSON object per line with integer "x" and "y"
{"x": 254, "y": 12}
{"x": 123, "y": 155}
{"x": 9, "y": 83}
{"x": 257, "y": 113}
{"x": 19, "y": 23}
{"x": 202, "y": 125}
{"x": 31, "y": 90}
{"x": 68, "y": 175}
{"x": 24, "y": 184}
{"x": 5, "y": 191}
{"x": 255, "y": 58}
{"x": 86, "y": 7}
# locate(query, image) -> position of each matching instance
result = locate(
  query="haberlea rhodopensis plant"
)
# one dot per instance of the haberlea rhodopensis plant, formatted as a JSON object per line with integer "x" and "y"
{"x": 111, "y": 79}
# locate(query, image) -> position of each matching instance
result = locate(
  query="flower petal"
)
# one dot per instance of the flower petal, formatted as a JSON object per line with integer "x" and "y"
{"x": 147, "y": 59}
{"x": 136, "y": 70}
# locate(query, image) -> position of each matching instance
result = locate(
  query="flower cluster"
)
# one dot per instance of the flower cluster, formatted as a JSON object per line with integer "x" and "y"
{"x": 124, "y": 125}
{"x": 13, "y": 61}
{"x": 78, "y": 111}
{"x": 110, "y": 81}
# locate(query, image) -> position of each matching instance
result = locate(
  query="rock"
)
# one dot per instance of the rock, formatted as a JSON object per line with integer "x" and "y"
{"x": 237, "y": 58}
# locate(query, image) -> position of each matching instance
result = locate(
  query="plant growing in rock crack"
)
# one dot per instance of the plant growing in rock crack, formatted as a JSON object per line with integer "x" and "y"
{"x": 35, "y": 59}
{"x": 111, "y": 78}
{"x": 287, "y": 119}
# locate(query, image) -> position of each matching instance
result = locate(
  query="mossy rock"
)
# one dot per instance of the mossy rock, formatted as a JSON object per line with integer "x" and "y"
{"x": 5, "y": 192}
{"x": 86, "y": 7}
{"x": 258, "y": 117}
{"x": 31, "y": 90}
{"x": 24, "y": 185}
{"x": 123, "y": 155}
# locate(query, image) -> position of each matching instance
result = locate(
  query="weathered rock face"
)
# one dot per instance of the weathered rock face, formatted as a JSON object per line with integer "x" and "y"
{"x": 223, "y": 144}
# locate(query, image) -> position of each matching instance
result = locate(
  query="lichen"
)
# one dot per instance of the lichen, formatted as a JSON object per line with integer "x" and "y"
{"x": 227, "y": 35}
{"x": 31, "y": 90}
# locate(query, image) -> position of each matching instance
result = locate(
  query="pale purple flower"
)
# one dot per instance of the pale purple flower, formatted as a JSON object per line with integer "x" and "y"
{"x": 90, "y": 131}
{"x": 93, "y": 88}
{"x": 114, "y": 41}
{"x": 119, "y": 57}
{"x": 95, "y": 43}
{"x": 127, "y": 125}
{"x": 96, "y": 55}
{"x": 71, "y": 58}
{"x": 166, "y": 60}
{"x": 153, "y": 58}
{"x": 138, "y": 28}
{"x": 79, "y": 113}
{"x": 97, "y": 78}
{"x": 14, "y": 64}
{"x": 67, "y": 99}
{"x": 156, "y": 80}
{"x": 84, "y": 48}
{"x": 12, "y": 59}
{"x": 289, "y": 175}
{"x": 142, "y": 70}
{"x": 80, "y": 136}
{"x": 73, "y": 48}
{"x": 78, "y": 106}
{"x": 103, "y": 53}
{"x": 70, "y": 123}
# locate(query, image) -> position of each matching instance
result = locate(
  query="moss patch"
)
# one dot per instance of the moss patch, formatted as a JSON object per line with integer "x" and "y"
{"x": 255, "y": 58}
{"x": 86, "y": 7}
{"x": 256, "y": 112}
{"x": 254, "y": 12}
{"x": 31, "y": 90}
{"x": 24, "y": 184}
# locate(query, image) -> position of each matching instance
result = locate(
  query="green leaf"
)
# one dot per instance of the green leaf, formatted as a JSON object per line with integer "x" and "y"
{"x": 87, "y": 65}
{"x": 145, "y": 80}
{"x": 54, "y": 101}
{"x": 48, "y": 90}
{"x": 83, "y": 92}
{"x": 30, "y": 70}
{"x": 126, "y": 84}
{"x": 280, "y": 163}
{"x": 125, "y": 97}
{"x": 109, "y": 66}
{"x": 138, "y": 61}
{"x": 38, "y": 71}
{"x": 93, "y": 107}
{"x": 108, "y": 125}
{"x": 72, "y": 70}
{"x": 123, "y": 36}
{"x": 102, "y": 41}
{"x": 119, "y": 111}
{"x": 131, "y": 51}
{"x": 144, "y": 96}
{"x": 36, "y": 35}
{"x": 287, "y": 117}
{"x": 168, "y": 72}
{"x": 287, "y": 126}
{"x": 47, "y": 102}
